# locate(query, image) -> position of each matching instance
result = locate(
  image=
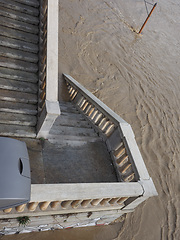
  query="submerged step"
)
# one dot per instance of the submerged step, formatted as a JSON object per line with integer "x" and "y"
{"x": 14, "y": 96}
{"x": 17, "y": 119}
{"x": 19, "y": 86}
{"x": 23, "y": 108}
{"x": 17, "y": 131}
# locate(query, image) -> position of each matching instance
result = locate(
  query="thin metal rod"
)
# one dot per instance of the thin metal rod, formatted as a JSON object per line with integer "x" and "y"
{"x": 147, "y": 18}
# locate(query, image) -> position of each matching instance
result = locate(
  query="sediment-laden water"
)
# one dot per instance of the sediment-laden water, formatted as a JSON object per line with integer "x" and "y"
{"x": 138, "y": 76}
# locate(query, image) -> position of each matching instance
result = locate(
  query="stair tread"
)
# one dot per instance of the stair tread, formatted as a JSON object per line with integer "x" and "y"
{"x": 14, "y": 85}
{"x": 23, "y": 108}
{"x": 6, "y": 12}
{"x": 71, "y": 122}
{"x": 18, "y": 131}
{"x": 68, "y": 108}
{"x": 68, "y": 139}
{"x": 18, "y": 54}
{"x": 33, "y": 3}
{"x": 18, "y": 75}
{"x": 18, "y": 44}
{"x": 16, "y": 34}
{"x": 73, "y": 131}
{"x": 19, "y": 7}
{"x": 18, "y": 64}
{"x": 20, "y": 97}
{"x": 17, "y": 119}
{"x": 69, "y": 115}
{"x": 18, "y": 25}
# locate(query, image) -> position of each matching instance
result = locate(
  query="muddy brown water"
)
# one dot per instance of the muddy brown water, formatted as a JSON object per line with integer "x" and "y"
{"x": 139, "y": 78}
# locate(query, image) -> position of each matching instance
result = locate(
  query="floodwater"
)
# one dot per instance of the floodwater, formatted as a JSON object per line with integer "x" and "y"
{"x": 138, "y": 76}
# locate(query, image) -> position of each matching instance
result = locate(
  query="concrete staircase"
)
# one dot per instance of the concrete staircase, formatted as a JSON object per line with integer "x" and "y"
{"x": 71, "y": 127}
{"x": 19, "y": 36}
{"x": 79, "y": 154}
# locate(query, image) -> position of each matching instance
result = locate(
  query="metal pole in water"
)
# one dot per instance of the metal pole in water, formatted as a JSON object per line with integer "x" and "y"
{"x": 147, "y": 18}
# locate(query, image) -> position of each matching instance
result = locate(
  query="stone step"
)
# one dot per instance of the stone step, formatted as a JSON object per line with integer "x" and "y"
{"x": 23, "y": 108}
{"x": 18, "y": 75}
{"x": 18, "y": 65}
{"x": 18, "y": 44}
{"x": 20, "y": 7}
{"x": 71, "y": 122}
{"x": 72, "y": 131}
{"x": 71, "y": 140}
{"x": 17, "y": 131}
{"x": 19, "y": 86}
{"x": 69, "y": 104}
{"x": 6, "y": 12}
{"x": 14, "y": 24}
{"x": 19, "y": 97}
{"x": 17, "y": 119}
{"x": 18, "y": 54}
{"x": 32, "y": 3}
{"x": 69, "y": 115}
{"x": 16, "y": 34}
{"x": 68, "y": 108}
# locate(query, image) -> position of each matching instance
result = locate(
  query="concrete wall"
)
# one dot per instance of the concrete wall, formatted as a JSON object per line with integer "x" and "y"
{"x": 46, "y": 223}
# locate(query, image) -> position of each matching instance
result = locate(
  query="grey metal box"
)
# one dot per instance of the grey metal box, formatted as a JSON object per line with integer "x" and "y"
{"x": 15, "y": 179}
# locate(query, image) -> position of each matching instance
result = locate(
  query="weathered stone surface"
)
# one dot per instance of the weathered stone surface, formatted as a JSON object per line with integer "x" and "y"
{"x": 18, "y": 44}
{"x": 18, "y": 64}
{"x": 17, "y": 34}
{"x": 23, "y": 108}
{"x": 11, "y": 13}
{"x": 18, "y": 75}
{"x": 16, "y": 130}
{"x": 26, "y": 27}
{"x": 19, "y": 48}
{"x": 17, "y": 119}
{"x": 21, "y": 97}
{"x": 87, "y": 163}
{"x": 33, "y": 3}
{"x": 13, "y": 85}
{"x": 18, "y": 54}
{"x": 19, "y": 7}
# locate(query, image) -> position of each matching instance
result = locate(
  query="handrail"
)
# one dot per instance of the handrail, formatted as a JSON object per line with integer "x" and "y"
{"x": 116, "y": 132}
{"x": 50, "y": 199}
{"x": 95, "y": 101}
{"x": 48, "y": 105}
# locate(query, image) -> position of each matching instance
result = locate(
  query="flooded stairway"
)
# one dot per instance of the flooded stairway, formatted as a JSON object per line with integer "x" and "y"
{"x": 19, "y": 36}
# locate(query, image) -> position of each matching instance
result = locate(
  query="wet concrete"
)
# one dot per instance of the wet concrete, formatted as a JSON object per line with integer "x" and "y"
{"x": 52, "y": 163}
